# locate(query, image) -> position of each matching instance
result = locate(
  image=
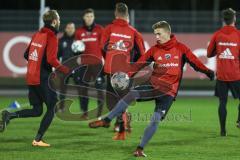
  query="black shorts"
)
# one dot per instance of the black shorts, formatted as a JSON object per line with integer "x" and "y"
{"x": 163, "y": 104}
{"x": 148, "y": 92}
{"x": 39, "y": 94}
{"x": 222, "y": 87}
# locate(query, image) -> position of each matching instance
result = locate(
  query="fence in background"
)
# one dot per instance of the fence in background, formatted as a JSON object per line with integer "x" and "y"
{"x": 181, "y": 21}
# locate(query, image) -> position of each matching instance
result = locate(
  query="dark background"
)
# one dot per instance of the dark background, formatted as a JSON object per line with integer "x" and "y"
{"x": 185, "y": 16}
{"x": 133, "y": 4}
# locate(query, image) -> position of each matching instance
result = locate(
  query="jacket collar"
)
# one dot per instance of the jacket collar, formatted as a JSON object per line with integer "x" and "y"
{"x": 227, "y": 27}
{"x": 169, "y": 44}
{"x": 89, "y": 28}
{"x": 68, "y": 37}
{"x": 50, "y": 28}
{"x": 120, "y": 21}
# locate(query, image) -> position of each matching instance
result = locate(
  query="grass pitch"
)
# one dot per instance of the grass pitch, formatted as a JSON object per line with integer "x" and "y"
{"x": 189, "y": 132}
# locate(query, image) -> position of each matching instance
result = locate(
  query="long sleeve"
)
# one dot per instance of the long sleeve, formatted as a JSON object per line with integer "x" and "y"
{"x": 52, "y": 49}
{"x": 142, "y": 61}
{"x": 100, "y": 39}
{"x": 139, "y": 43}
{"x": 194, "y": 61}
{"x": 26, "y": 52}
{"x": 105, "y": 38}
{"x": 211, "y": 50}
{"x": 77, "y": 35}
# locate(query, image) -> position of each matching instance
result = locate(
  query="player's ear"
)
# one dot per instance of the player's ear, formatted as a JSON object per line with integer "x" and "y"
{"x": 54, "y": 22}
{"x": 115, "y": 13}
{"x": 168, "y": 32}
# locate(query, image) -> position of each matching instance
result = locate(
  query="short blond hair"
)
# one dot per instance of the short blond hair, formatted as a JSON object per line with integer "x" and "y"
{"x": 49, "y": 16}
{"x": 162, "y": 24}
{"x": 121, "y": 9}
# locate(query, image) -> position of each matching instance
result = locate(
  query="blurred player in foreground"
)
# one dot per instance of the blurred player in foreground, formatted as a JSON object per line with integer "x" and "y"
{"x": 120, "y": 40}
{"x": 42, "y": 56}
{"x": 169, "y": 57}
{"x": 225, "y": 46}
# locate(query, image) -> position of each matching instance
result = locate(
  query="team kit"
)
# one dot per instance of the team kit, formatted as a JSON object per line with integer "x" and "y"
{"x": 111, "y": 45}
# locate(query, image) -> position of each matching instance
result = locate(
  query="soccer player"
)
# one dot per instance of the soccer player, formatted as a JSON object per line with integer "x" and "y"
{"x": 120, "y": 39}
{"x": 41, "y": 55}
{"x": 169, "y": 56}
{"x": 225, "y": 46}
{"x": 65, "y": 53}
{"x": 90, "y": 33}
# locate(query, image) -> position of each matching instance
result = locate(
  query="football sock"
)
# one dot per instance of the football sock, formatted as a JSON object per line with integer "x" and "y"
{"x": 84, "y": 103}
{"x": 107, "y": 120}
{"x": 139, "y": 147}
{"x": 222, "y": 112}
{"x": 238, "y": 113}
{"x": 123, "y": 104}
{"x": 121, "y": 123}
{"x": 151, "y": 129}
{"x": 36, "y": 111}
{"x": 38, "y": 137}
{"x": 13, "y": 115}
{"x": 47, "y": 119}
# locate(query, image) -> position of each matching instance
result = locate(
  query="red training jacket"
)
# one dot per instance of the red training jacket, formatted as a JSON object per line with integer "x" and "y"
{"x": 225, "y": 45}
{"x": 169, "y": 59}
{"x": 120, "y": 38}
{"x": 91, "y": 39}
{"x": 42, "y": 56}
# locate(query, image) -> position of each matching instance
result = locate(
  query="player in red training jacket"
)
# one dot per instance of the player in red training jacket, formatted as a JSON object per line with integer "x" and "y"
{"x": 41, "y": 55}
{"x": 120, "y": 40}
{"x": 90, "y": 33}
{"x": 225, "y": 45}
{"x": 169, "y": 57}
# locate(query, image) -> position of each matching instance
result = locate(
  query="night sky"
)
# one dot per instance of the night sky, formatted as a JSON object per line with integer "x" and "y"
{"x": 109, "y": 4}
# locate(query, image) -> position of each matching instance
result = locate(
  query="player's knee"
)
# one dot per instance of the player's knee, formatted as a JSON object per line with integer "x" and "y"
{"x": 37, "y": 111}
{"x": 131, "y": 96}
{"x": 156, "y": 118}
{"x": 223, "y": 102}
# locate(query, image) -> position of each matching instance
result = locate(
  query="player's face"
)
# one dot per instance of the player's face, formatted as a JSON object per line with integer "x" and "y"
{"x": 162, "y": 35}
{"x": 56, "y": 22}
{"x": 70, "y": 29}
{"x": 88, "y": 19}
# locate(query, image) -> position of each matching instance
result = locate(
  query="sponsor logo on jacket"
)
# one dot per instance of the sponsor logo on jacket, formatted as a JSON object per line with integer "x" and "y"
{"x": 33, "y": 56}
{"x": 226, "y": 54}
{"x": 168, "y": 65}
{"x": 227, "y": 44}
{"x": 120, "y": 35}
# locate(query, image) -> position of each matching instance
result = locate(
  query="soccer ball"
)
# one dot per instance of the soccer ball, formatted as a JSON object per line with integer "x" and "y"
{"x": 120, "y": 80}
{"x": 78, "y": 46}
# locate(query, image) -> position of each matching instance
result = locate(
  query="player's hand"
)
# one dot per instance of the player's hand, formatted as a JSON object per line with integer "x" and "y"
{"x": 64, "y": 69}
{"x": 211, "y": 75}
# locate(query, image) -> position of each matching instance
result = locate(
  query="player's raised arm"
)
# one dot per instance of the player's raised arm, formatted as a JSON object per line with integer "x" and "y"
{"x": 196, "y": 63}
